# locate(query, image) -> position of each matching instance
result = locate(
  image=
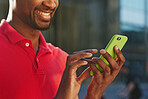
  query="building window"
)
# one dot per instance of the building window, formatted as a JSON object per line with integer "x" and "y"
{"x": 133, "y": 23}
{"x": 132, "y": 15}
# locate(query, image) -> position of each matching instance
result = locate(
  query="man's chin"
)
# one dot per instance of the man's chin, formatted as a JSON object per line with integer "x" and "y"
{"x": 42, "y": 27}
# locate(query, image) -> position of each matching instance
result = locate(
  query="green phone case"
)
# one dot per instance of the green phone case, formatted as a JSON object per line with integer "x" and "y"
{"x": 118, "y": 40}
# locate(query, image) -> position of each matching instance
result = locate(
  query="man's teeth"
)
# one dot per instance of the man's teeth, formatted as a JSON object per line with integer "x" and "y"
{"x": 43, "y": 13}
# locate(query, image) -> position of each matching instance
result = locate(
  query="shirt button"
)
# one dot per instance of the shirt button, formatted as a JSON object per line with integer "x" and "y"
{"x": 27, "y": 44}
{"x": 37, "y": 60}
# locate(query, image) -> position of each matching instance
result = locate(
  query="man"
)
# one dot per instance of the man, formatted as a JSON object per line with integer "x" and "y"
{"x": 30, "y": 68}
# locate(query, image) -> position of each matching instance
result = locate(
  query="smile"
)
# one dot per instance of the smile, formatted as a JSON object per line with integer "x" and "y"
{"x": 43, "y": 13}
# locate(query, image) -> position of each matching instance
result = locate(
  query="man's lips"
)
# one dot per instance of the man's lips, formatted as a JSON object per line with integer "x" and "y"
{"x": 43, "y": 15}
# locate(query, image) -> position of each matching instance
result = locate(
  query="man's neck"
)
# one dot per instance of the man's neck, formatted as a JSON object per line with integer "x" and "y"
{"x": 26, "y": 31}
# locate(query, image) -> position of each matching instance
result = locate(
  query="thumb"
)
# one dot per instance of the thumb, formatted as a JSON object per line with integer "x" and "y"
{"x": 84, "y": 75}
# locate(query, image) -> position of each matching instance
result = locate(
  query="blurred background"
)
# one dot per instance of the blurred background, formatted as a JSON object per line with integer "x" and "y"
{"x": 83, "y": 24}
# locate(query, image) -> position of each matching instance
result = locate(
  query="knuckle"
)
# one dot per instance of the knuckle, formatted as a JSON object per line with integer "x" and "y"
{"x": 72, "y": 67}
{"x": 72, "y": 58}
{"x": 107, "y": 69}
{"x": 95, "y": 70}
{"x": 96, "y": 73}
{"x": 107, "y": 56}
{"x": 116, "y": 68}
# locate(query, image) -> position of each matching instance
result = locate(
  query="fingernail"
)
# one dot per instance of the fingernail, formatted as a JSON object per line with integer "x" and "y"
{"x": 116, "y": 47}
{"x": 94, "y": 58}
{"x": 90, "y": 54}
{"x": 85, "y": 62}
{"x": 102, "y": 51}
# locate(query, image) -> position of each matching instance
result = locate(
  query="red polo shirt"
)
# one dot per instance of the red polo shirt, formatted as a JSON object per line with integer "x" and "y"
{"x": 25, "y": 74}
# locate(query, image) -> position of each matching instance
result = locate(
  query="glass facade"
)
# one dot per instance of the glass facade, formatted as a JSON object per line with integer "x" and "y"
{"x": 132, "y": 14}
{"x": 133, "y": 23}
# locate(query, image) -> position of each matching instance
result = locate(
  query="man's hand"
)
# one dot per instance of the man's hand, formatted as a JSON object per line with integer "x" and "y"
{"x": 70, "y": 84}
{"x": 100, "y": 81}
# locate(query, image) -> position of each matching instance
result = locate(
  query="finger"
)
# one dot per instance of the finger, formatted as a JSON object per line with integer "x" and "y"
{"x": 84, "y": 75}
{"x": 109, "y": 58}
{"x": 116, "y": 59}
{"x": 96, "y": 72}
{"x": 121, "y": 58}
{"x": 75, "y": 57}
{"x": 74, "y": 66}
{"x": 88, "y": 60}
{"x": 93, "y": 51}
{"x": 103, "y": 65}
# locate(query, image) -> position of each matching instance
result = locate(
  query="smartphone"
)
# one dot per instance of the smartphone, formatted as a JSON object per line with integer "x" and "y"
{"x": 118, "y": 40}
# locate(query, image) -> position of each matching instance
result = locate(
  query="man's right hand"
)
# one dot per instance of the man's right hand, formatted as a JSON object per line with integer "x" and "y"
{"x": 70, "y": 84}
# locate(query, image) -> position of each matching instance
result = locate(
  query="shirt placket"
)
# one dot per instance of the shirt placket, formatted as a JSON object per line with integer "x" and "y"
{"x": 40, "y": 74}
{"x": 27, "y": 46}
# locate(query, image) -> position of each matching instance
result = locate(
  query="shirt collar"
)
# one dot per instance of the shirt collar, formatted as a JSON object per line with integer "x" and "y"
{"x": 15, "y": 37}
{"x": 10, "y": 32}
{"x": 43, "y": 45}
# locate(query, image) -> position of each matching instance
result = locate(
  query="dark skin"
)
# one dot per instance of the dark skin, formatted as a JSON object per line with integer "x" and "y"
{"x": 28, "y": 17}
{"x": 100, "y": 81}
{"x": 25, "y": 18}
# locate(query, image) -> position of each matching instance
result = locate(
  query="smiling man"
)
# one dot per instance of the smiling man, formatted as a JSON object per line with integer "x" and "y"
{"x": 35, "y": 13}
{"x": 31, "y": 68}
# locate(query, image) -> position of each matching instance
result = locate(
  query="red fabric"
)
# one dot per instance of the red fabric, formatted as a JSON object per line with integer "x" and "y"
{"x": 19, "y": 76}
